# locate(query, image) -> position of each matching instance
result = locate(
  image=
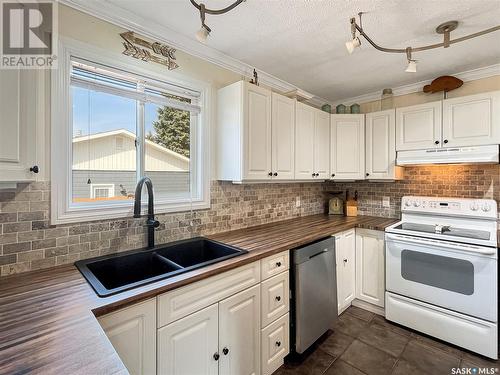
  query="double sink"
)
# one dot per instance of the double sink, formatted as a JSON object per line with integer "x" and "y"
{"x": 111, "y": 274}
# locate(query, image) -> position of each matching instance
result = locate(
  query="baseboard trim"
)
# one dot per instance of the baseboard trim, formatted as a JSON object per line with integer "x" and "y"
{"x": 369, "y": 307}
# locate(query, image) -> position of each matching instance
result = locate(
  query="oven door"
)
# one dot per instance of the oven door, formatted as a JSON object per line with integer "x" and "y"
{"x": 458, "y": 277}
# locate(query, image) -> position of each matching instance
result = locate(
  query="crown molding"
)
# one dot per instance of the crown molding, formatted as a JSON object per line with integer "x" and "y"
{"x": 469, "y": 75}
{"x": 131, "y": 21}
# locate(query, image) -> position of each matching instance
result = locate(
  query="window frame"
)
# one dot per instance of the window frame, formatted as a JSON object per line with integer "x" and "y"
{"x": 62, "y": 209}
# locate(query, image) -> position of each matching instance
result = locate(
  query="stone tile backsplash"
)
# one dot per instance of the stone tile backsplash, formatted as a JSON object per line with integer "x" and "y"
{"x": 29, "y": 242}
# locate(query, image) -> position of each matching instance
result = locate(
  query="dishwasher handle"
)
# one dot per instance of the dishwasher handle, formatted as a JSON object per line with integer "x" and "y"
{"x": 321, "y": 252}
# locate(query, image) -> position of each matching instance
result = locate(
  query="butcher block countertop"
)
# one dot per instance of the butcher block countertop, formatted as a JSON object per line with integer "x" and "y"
{"x": 48, "y": 318}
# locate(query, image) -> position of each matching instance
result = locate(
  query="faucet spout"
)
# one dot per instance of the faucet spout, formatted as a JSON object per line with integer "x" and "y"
{"x": 151, "y": 223}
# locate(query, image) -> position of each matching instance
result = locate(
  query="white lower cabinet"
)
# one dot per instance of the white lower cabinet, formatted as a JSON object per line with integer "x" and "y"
{"x": 275, "y": 344}
{"x": 370, "y": 275}
{"x": 345, "y": 249}
{"x": 188, "y": 346}
{"x": 132, "y": 331}
{"x": 275, "y": 298}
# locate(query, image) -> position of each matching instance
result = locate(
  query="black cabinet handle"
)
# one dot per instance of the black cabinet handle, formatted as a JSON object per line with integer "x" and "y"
{"x": 333, "y": 174}
{"x": 216, "y": 356}
{"x": 436, "y": 143}
{"x": 225, "y": 351}
{"x": 275, "y": 174}
{"x": 278, "y": 343}
{"x": 278, "y": 264}
{"x": 278, "y": 298}
{"x": 445, "y": 141}
{"x": 345, "y": 260}
{"x": 270, "y": 174}
{"x": 35, "y": 169}
{"x": 367, "y": 174}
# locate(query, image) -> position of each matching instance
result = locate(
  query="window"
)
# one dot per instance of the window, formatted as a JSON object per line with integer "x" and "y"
{"x": 122, "y": 124}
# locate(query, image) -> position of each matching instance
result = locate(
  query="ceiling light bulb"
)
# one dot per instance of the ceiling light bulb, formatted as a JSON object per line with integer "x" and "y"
{"x": 352, "y": 44}
{"x": 202, "y": 34}
{"x": 412, "y": 66}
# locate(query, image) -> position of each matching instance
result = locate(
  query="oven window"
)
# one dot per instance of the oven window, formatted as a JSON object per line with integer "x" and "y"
{"x": 447, "y": 273}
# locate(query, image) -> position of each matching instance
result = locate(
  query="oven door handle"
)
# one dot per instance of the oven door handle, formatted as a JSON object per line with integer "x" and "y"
{"x": 447, "y": 245}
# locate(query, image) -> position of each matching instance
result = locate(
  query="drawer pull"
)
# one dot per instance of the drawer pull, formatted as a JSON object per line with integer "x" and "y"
{"x": 216, "y": 356}
{"x": 278, "y": 298}
{"x": 278, "y": 343}
{"x": 225, "y": 351}
{"x": 278, "y": 264}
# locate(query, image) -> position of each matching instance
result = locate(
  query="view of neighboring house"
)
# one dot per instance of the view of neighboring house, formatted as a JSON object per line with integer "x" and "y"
{"x": 104, "y": 167}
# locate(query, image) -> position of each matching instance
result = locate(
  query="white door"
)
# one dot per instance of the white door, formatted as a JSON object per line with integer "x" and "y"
{"x": 381, "y": 145}
{"x": 418, "y": 127}
{"x": 190, "y": 345}
{"x": 321, "y": 144}
{"x": 345, "y": 248}
{"x": 304, "y": 142}
{"x": 132, "y": 331}
{"x": 370, "y": 275}
{"x": 257, "y": 114}
{"x": 18, "y": 125}
{"x": 239, "y": 333}
{"x": 283, "y": 137}
{"x": 347, "y": 147}
{"x": 472, "y": 120}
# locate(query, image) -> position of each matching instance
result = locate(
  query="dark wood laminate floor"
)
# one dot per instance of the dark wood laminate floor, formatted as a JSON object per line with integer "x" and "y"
{"x": 363, "y": 343}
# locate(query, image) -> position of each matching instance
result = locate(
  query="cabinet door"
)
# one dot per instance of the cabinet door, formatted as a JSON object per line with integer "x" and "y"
{"x": 239, "y": 333}
{"x": 257, "y": 158}
{"x": 187, "y": 346}
{"x": 321, "y": 144}
{"x": 304, "y": 142}
{"x": 472, "y": 120}
{"x": 283, "y": 137}
{"x": 18, "y": 125}
{"x": 349, "y": 267}
{"x": 275, "y": 344}
{"x": 381, "y": 145}
{"x": 338, "y": 269}
{"x": 418, "y": 127}
{"x": 132, "y": 331}
{"x": 347, "y": 147}
{"x": 275, "y": 298}
{"x": 370, "y": 278}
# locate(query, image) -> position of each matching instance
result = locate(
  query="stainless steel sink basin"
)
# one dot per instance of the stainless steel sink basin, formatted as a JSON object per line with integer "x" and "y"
{"x": 111, "y": 274}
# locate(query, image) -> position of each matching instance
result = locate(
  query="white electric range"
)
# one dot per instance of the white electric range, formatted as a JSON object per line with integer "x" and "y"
{"x": 442, "y": 273}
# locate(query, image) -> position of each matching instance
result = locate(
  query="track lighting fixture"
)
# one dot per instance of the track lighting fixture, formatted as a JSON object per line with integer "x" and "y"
{"x": 203, "y": 33}
{"x": 445, "y": 29}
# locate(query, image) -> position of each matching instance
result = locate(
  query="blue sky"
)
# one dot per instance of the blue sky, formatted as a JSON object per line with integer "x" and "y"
{"x": 107, "y": 112}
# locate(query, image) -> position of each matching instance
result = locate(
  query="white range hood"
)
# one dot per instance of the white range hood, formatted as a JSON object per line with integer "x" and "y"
{"x": 450, "y": 155}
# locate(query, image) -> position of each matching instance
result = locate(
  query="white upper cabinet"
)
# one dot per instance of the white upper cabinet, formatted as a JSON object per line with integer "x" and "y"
{"x": 347, "y": 147}
{"x": 283, "y": 137}
{"x": 18, "y": 126}
{"x": 321, "y": 144}
{"x": 418, "y": 127}
{"x": 304, "y": 142}
{"x": 381, "y": 146}
{"x": 472, "y": 120}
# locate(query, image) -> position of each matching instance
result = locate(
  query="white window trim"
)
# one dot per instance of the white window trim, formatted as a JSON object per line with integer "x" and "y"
{"x": 61, "y": 134}
{"x": 109, "y": 187}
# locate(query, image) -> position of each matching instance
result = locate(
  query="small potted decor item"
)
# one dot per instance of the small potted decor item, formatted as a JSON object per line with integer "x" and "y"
{"x": 386, "y": 101}
{"x": 355, "y": 108}
{"x": 326, "y": 108}
{"x": 341, "y": 108}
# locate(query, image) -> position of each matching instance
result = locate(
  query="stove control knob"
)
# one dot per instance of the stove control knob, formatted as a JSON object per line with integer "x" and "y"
{"x": 416, "y": 204}
{"x": 408, "y": 203}
{"x": 486, "y": 207}
{"x": 474, "y": 206}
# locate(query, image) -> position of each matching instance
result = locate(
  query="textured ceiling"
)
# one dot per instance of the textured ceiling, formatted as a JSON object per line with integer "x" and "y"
{"x": 302, "y": 41}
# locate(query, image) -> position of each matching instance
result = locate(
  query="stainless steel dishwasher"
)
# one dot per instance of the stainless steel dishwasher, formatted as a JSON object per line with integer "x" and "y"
{"x": 314, "y": 292}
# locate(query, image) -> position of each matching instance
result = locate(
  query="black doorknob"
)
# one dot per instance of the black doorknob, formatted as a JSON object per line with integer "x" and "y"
{"x": 270, "y": 174}
{"x": 367, "y": 174}
{"x": 278, "y": 343}
{"x": 333, "y": 174}
{"x": 278, "y": 298}
{"x": 35, "y": 169}
{"x": 275, "y": 174}
{"x": 445, "y": 141}
{"x": 225, "y": 351}
{"x": 278, "y": 264}
{"x": 314, "y": 174}
{"x": 436, "y": 143}
{"x": 216, "y": 356}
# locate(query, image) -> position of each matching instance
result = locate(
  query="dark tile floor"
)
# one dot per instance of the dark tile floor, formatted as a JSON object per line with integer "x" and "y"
{"x": 365, "y": 343}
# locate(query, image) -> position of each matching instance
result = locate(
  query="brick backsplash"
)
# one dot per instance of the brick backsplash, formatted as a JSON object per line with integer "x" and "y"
{"x": 29, "y": 242}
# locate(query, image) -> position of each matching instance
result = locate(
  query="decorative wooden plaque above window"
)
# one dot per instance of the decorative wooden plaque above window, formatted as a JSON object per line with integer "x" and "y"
{"x": 133, "y": 47}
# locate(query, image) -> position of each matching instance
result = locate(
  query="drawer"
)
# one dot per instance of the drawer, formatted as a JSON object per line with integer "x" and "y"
{"x": 193, "y": 297}
{"x": 275, "y": 343}
{"x": 275, "y": 264}
{"x": 275, "y": 293}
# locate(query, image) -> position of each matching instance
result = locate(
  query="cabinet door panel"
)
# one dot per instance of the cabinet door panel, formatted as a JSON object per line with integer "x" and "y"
{"x": 347, "y": 147}
{"x": 472, "y": 120}
{"x": 418, "y": 127}
{"x": 283, "y": 137}
{"x": 132, "y": 331}
{"x": 381, "y": 144}
{"x": 321, "y": 144}
{"x": 370, "y": 278}
{"x": 349, "y": 265}
{"x": 275, "y": 298}
{"x": 188, "y": 345}
{"x": 258, "y": 133}
{"x": 239, "y": 332}
{"x": 304, "y": 142}
{"x": 275, "y": 344}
